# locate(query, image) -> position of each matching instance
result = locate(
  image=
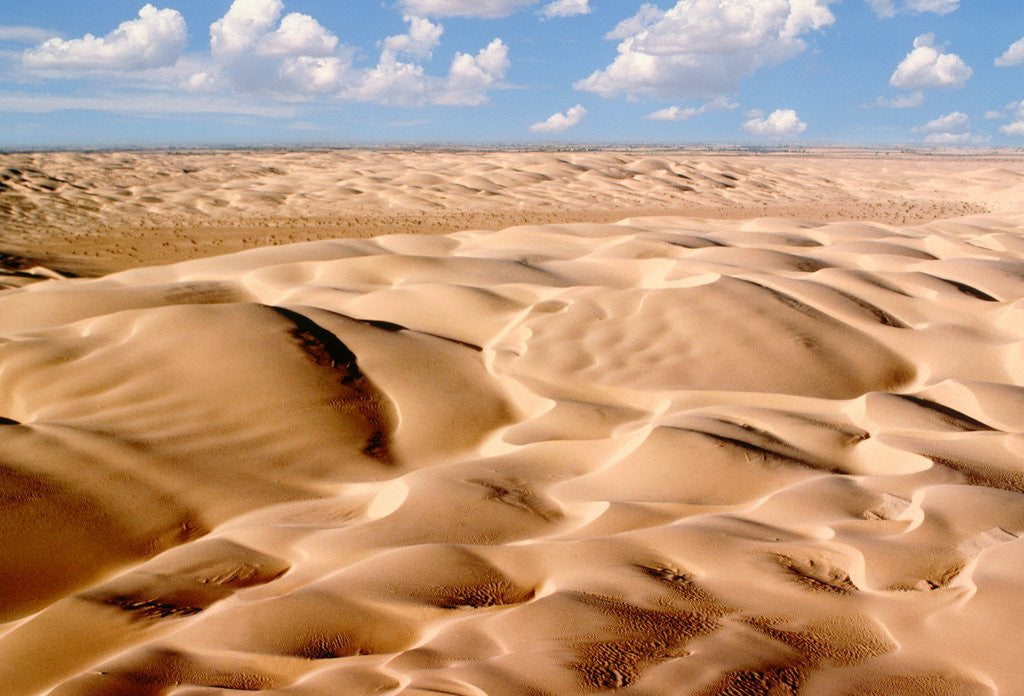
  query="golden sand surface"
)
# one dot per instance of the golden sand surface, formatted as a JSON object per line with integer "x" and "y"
{"x": 772, "y": 445}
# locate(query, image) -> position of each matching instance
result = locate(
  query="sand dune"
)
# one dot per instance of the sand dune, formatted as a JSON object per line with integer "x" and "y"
{"x": 670, "y": 455}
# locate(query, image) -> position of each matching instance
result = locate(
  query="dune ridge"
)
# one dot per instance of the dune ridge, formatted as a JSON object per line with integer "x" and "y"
{"x": 664, "y": 455}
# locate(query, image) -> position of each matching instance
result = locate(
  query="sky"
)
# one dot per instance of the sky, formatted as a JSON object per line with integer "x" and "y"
{"x": 172, "y": 73}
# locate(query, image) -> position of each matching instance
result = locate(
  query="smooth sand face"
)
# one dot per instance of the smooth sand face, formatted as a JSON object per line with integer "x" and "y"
{"x": 671, "y": 455}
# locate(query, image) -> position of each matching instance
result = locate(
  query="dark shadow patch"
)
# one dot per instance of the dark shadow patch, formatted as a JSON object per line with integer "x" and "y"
{"x": 695, "y": 242}
{"x": 385, "y": 325}
{"x": 683, "y": 586}
{"x": 392, "y": 327}
{"x": 157, "y": 608}
{"x": 791, "y": 302}
{"x": 517, "y": 495}
{"x": 948, "y": 415}
{"x": 765, "y": 453}
{"x": 815, "y": 576}
{"x": 327, "y": 351}
{"x": 880, "y": 315}
{"x": 327, "y": 648}
{"x": 8, "y": 421}
{"x": 497, "y": 593}
{"x": 968, "y": 290}
{"x": 777, "y": 680}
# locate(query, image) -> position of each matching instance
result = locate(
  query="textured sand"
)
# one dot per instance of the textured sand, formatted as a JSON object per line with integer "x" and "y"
{"x": 671, "y": 455}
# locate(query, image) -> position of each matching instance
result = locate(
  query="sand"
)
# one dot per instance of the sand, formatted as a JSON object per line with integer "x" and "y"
{"x": 93, "y": 213}
{"x": 716, "y": 453}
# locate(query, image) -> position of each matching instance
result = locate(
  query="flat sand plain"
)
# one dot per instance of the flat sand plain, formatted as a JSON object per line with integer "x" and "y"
{"x": 687, "y": 423}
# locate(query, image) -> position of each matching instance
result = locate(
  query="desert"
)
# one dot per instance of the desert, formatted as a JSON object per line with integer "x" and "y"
{"x": 418, "y": 421}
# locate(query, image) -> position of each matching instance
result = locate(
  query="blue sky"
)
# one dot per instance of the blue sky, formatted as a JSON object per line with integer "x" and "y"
{"x": 81, "y": 73}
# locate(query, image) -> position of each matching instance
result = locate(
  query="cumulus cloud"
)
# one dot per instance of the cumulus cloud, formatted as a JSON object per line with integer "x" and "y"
{"x": 565, "y": 8}
{"x": 955, "y": 122}
{"x": 556, "y": 123}
{"x": 261, "y": 54}
{"x": 952, "y": 129}
{"x": 255, "y": 50}
{"x": 156, "y": 39}
{"x": 404, "y": 82}
{"x": 927, "y": 66}
{"x": 674, "y": 113}
{"x": 1014, "y": 128}
{"x": 1014, "y": 55}
{"x": 419, "y": 42}
{"x": 395, "y": 81}
{"x": 470, "y": 77}
{"x": 463, "y": 8}
{"x": 889, "y": 8}
{"x": 704, "y": 47}
{"x": 779, "y": 124}
{"x": 397, "y": 78}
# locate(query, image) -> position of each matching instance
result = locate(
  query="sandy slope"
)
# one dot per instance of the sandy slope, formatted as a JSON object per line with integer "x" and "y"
{"x": 672, "y": 455}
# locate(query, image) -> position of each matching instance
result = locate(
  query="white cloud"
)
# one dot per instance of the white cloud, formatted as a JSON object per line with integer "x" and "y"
{"x": 394, "y": 81}
{"x": 419, "y": 42}
{"x": 296, "y": 57}
{"x": 299, "y": 34}
{"x": 556, "y": 123}
{"x": 674, "y": 113}
{"x": 155, "y": 39}
{"x": 926, "y": 66}
{"x": 704, "y": 47}
{"x": 954, "y": 122}
{"x": 780, "y": 123}
{"x": 253, "y": 51}
{"x": 1014, "y": 55}
{"x": 471, "y": 76}
{"x": 566, "y": 8}
{"x": 1013, "y": 110}
{"x": 1014, "y": 128}
{"x": 251, "y": 27}
{"x": 952, "y": 129}
{"x": 23, "y": 33}
{"x": 888, "y": 8}
{"x": 901, "y": 101}
{"x": 258, "y": 52}
{"x": 463, "y": 8}
{"x": 390, "y": 82}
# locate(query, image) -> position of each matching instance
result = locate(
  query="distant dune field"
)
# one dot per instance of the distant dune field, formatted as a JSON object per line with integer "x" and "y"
{"x": 99, "y": 212}
{"x": 657, "y": 423}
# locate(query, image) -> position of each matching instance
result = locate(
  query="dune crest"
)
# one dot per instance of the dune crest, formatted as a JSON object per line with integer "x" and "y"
{"x": 666, "y": 455}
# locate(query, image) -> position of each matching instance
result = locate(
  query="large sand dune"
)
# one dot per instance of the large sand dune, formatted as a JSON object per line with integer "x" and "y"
{"x": 670, "y": 455}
